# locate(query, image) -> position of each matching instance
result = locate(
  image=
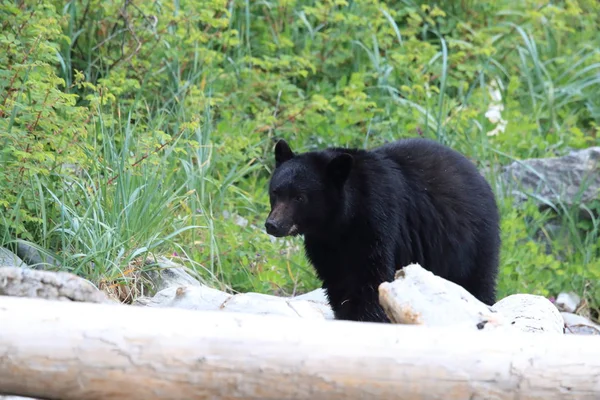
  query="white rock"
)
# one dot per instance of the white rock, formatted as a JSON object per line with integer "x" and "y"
{"x": 317, "y": 295}
{"x": 579, "y": 325}
{"x": 201, "y": 297}
{"x": 257, "y": 303}
{"x": 241, "y": 221}
{"x": 416, "y": 296}
{"x": 530, "y": 313}
{"x": 567, "y": 302}
{"x": 166, "y": 273}
{"x": 311, "y": 308}
{"x": 191, "y": 297}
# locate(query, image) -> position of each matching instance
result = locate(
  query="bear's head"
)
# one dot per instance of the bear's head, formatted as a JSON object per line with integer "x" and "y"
{"x": 306, "y": 190}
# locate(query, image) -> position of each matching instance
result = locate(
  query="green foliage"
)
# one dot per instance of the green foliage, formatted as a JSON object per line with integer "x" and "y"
{"x": 167, "y": 113}
{"x": 544, "y": 262}
{"x": 41, "y": 128}
{"x": 527, "y": 268}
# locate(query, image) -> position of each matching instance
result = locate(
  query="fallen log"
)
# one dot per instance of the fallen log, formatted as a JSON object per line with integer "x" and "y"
{"x": 87, "y": 351}
{"x": 417, "y": 296}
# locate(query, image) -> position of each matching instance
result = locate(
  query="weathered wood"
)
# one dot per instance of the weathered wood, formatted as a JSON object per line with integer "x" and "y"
{"x": 417, "y": 296}
{"x": 84, "y": 351}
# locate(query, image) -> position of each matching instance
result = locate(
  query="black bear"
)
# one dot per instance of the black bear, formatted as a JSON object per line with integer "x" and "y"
{"x": 366, "y": 213}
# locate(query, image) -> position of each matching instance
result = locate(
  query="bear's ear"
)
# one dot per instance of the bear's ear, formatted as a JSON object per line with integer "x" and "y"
{"x": 339, "y": 167}
{"x": 282, "y": 152}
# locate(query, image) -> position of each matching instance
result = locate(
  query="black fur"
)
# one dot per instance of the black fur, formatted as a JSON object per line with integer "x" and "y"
{"x": 366, "y": 213}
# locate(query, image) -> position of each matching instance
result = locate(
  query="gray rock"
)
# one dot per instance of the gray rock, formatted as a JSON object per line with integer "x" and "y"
{"x": 64, "y": 286}
{"x": 35, "y": 256}
{"x": 572, "y": 179}
{"x": 10, "y": 259}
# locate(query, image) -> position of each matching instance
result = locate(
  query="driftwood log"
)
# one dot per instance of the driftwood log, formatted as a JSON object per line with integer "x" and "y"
{"x": 417, "y": 296}
{"x": 89, "y": 351}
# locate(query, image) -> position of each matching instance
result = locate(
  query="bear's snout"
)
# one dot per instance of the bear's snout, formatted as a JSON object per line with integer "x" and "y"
{"x": 280, "y": 221}
{"x": 274, "y": 228}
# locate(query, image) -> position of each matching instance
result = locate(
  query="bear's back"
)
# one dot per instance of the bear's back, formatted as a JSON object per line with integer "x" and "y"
{"x": 452, "y": 213}
{"x": 439, "y": 172}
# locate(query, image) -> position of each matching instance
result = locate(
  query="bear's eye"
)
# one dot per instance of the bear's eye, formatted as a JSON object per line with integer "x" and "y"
{"x": 299, "y": 198}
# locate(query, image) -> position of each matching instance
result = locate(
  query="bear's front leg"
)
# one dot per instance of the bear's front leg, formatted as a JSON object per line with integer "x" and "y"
{"x": 363, "y": 306}
{"x": 356, "y": 298}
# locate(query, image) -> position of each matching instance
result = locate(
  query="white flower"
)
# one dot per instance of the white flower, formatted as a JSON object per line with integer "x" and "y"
{"x": 494, "y": 111}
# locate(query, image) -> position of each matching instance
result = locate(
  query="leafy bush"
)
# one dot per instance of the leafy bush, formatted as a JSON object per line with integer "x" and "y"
{"x": 42, "y": 130}
{"x": 169, "y": 112}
